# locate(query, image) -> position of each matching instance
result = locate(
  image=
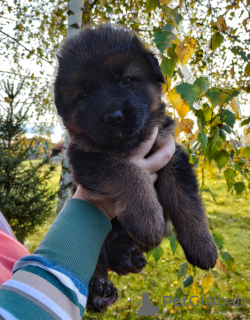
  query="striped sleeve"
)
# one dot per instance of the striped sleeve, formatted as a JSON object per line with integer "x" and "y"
{"x": 53, "y": 282}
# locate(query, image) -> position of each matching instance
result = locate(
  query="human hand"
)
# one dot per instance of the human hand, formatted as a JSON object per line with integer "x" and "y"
{"x": 158, "y": 159}
{"x": 151, "y": 164}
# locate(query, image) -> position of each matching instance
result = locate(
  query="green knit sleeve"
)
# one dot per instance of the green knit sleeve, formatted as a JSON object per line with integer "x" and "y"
{"x": 75, "y": 239}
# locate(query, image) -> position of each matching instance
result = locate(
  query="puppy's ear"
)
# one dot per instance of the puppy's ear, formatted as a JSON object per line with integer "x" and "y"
{"x": 157, "y": 70}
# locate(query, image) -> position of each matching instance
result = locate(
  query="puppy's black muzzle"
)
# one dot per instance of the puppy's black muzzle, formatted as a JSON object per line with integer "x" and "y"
{"x": 113, "y": 117}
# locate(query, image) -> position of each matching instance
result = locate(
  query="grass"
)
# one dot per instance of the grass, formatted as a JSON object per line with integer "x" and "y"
{"x": 229, "y": 218}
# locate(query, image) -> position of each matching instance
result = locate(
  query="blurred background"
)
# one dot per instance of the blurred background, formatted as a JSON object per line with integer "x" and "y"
{"x": 204, "y": 51}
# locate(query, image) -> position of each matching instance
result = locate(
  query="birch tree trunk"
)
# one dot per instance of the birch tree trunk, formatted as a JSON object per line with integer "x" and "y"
{"x": 74, "y": 23}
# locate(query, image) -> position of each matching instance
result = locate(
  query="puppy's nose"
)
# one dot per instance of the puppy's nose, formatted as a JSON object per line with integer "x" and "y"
{"x": 114, "y": 117}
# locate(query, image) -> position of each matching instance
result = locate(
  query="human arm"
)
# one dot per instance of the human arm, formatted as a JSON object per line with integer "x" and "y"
{"x": 52, "y": 283}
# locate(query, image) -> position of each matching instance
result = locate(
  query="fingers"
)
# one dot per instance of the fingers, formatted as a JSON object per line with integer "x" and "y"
{"x": 160, "y": 157}
{"x": 145, "y": 147}
{"x": 153, "y": 177}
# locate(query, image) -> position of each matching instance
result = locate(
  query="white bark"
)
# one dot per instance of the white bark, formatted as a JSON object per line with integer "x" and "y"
{"x": 74, "y": 24}
{"x": 75, "y": 16}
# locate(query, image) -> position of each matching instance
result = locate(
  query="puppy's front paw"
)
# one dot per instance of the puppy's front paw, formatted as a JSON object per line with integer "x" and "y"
{"x": 102, "y": 294}
{"x": 201, "y": 253}
{"x": 148, "y": 236}
{"x": 131, "y": 260}
{"x": 146, "y": 225}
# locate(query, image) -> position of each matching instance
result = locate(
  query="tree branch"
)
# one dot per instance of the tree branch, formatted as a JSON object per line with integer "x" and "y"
{"x": 20, "y": 75}
{"x": 246, "y": 8}
{"x": 24, "y": 47}
{"x": 224, "y": 32}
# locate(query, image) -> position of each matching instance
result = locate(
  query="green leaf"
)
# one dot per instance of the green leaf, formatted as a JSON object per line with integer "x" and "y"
{"x": 173, "y": 242}
{"x": 202, "y": 83}
{"x": 226, "y": 128}
{"x": 228, "y": 259}
{"x": 191, "y": 92}
{"x": 172, "y": 15}
{"x": 239, "y": 187}
{"x": 212, "y": 150}
{"x": 148, "y": 253}
{"x": 157, "y": 253}
{"x": 247, "y": 69}
{"x": 188, "y": 281}
{"x": 246, "y": 152}
{"x": 244, "y": 122}
{"x": 168, "y": 66}
{"x": 238, "y": 50}
{"x": 176, "y": 17}
{"x": 229, "y": 173}
{"x": 238, "y": 168}
{"x": 202, "y": 138}
{"x": 151, "y": 5}
{"x": 218, "y": 240}
{"x": 207, "y": 114}
{"x": 247, "y": 89}
{"x": 214, "y": 96}
{"x": 201, "y": 119}
{"x": 219, "y": 97}
{"x": 228, "y": 117}
{"x": 214, "y": 134}
{"x": 217, "y": 40}
{"x": 178, "y": 293}
{"x": 168, "y": 27}
{"x": 171, "y": 53}
{"x": 163, "y": 39}
{"x": 222, "y": 134}
{"x": 182, "y": 270}
{"x": 221, "y": 158}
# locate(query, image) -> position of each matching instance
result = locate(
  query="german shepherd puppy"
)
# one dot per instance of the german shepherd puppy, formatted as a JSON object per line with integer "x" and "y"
{"x": 108, "y": 94}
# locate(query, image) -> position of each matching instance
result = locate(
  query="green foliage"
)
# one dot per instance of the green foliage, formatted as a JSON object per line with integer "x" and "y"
{"x": 163, "y": 39}
{"x": 157, "y": 253}
{"x": 219, "y": 97}
{"x": 25, "y": 199}
{"x": 229, "y": 118}
{"x": 218, "y": 240}
{"x": 173, "y": 241}
{"x": 228, "y": 217}
{"x": 217, "y": 40}
{"x": 187, "y": 281}
{"x": 182, "y": 270}
{"x": 221, "y": 158}
{"x": 215, "y": 104}
{"x": 246, "y": 152}
{"x": 168, "y": 66}
{"x": 151, "y": 5}
{"x": 202, "y": 138}
{"x": 162, "y": 24}
{"x": 228, "y": 259}
{"x": 239, "y": 187}
{"x": 191, "y": 92}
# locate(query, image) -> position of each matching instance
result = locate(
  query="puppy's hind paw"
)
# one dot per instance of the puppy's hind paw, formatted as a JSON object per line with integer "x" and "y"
{"x": 131, "y": 260}
{"x": 203, "y": 256}
{"x": 102, "y": 294}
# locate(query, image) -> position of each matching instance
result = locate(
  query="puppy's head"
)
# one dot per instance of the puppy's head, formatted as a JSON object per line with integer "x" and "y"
{"x": 107, "y": 88}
